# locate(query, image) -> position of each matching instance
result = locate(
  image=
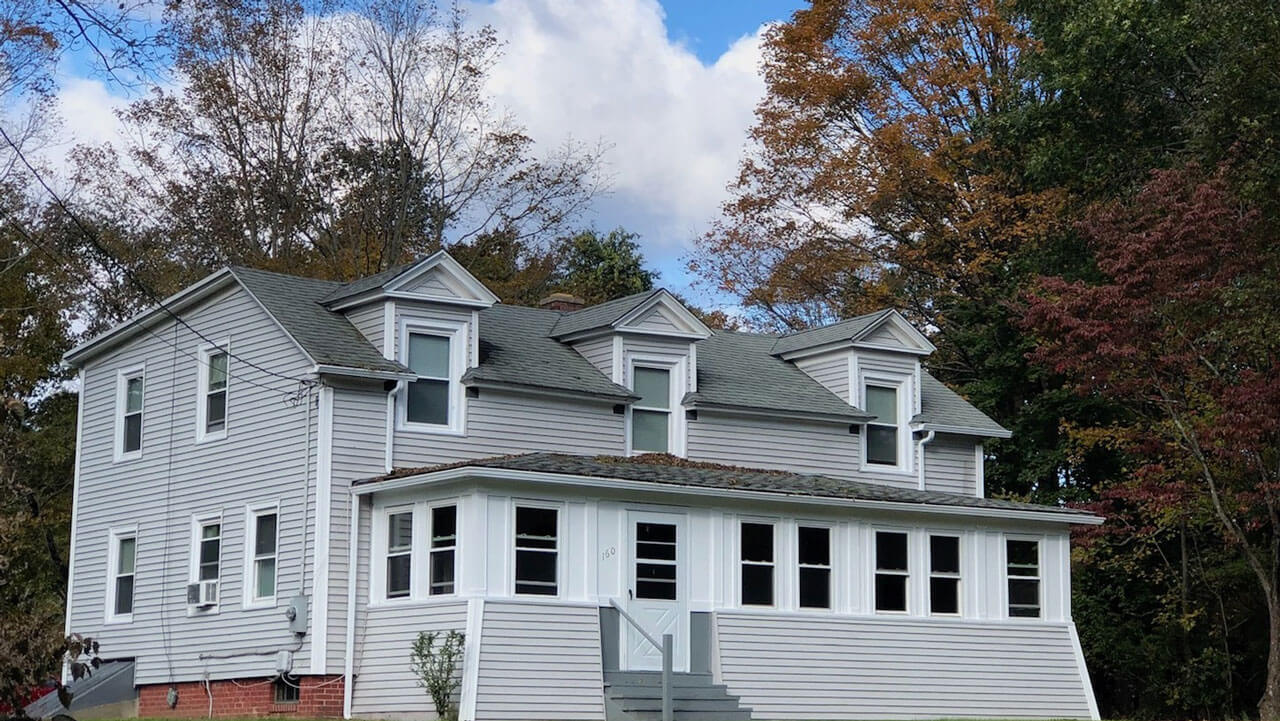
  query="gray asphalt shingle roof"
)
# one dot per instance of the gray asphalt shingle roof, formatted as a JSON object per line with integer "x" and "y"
{"x": 943, "y": 406}
{"x": 328, "y": 337}
{"x": 835, "y": 333}
{"x": 737, "y": 370}
{"x": 369, "y": 282}
{"x": 667, "y": 470}
{"x": 599, "y": 316}
{"x": 516, "y": 349}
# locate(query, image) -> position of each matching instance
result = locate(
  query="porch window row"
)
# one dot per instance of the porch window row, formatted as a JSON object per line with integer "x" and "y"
{"x": 892, "y": 572}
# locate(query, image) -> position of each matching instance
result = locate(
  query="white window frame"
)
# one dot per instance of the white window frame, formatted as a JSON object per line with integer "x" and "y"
{"x": 378, "y": 566}
{"x": 901, "y": 383}
{"x": 776, "y": 594}
{"x": 561, "y": 550}
{"x": 456, "y": 332}
{"x": 832, "y": 548}
{"x": 429, "y": 511}
{"x": 1039, "y": 578}
{"x": 114, "y": 537}
{"x": 931, "y": 574}
{"x": 202, "y": 393}
{"x": 123, "y": 377}
{"x": 909, "y": 574}
{"x": 678, "y": 368}
{"x": 250, "y": 584}
{"x": 193, "y": 572}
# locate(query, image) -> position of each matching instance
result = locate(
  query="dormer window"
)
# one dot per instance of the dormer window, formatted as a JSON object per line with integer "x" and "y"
{"x": 428, "y": 398}
{"x": 436, "y": 353}
{"x": 882, "y": 432}
{"x": 651, "y": 415}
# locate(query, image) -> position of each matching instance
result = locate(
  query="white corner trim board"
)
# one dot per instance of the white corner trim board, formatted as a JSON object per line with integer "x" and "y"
{"x": 324, "y": 501}
{"x": 349, "y": 652}
{"x": 471, "y": 660}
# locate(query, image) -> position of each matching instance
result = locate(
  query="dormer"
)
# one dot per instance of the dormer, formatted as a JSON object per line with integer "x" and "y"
{"x": 872, "y": 362}
{"x": 426, "y": 315}
{"x": 647, "y": 343}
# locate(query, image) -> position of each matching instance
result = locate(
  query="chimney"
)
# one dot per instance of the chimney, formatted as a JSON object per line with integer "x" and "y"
{"x": 562, "y": 302}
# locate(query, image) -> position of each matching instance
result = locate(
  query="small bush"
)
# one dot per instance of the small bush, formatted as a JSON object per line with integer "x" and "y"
{"x": 437, "y": 668}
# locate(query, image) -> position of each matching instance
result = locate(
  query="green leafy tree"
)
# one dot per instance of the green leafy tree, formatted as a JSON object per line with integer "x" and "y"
{"x": 599, "y": 267}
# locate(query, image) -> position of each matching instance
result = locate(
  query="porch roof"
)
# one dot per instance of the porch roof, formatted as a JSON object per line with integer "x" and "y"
{"x": 678, "y": 473}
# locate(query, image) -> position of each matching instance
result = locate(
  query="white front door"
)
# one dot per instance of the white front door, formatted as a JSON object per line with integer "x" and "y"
{"x": 658, "y": 595}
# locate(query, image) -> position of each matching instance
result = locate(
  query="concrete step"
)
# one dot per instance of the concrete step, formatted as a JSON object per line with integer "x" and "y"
{"x": 709, "y": 691}
{"x": 654, "y": 678}
{"x": 739, "y": 715}
{"x": 724, "y": 703}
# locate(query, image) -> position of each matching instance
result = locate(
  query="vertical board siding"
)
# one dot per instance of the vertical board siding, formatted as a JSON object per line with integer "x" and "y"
{"x": 368, "y": 319}
{"x": 264, "y": 459}
{"x": 385, "y": 684}
{"x": 851, "y": 668}
{"x": 598, "y": 352}
{"x": 359, "y": 440}
{"x": 539, "y": 661}
{"x": 831, "y": 370}
{"x": 501, "y": 423}
{"x": 949, "y": 465}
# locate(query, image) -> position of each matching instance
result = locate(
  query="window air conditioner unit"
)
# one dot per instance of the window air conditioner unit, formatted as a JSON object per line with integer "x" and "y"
{"x": 202, "y": 594}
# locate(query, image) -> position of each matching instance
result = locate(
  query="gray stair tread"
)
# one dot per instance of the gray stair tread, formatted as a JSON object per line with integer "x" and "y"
{"x": 637, "y": 695}
{"x": 691, "y": 692}
{"x": 739, "y": 715}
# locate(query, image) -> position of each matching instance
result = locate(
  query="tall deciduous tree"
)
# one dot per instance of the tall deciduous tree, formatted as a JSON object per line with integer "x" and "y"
{"x": 1183, "y": 330}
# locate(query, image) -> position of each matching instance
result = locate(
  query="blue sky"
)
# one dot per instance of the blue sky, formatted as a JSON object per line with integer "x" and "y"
{"x": 709, "y": 27}
{"x": 670, "y": 87}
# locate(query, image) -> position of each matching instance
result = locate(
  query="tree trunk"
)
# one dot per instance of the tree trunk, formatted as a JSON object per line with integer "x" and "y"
{"x": 1269, "y": 706}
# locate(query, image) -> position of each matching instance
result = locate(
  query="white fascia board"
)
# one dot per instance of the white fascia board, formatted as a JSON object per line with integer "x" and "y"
{"x": 962, "y": 430}
{"x": 193, "y": 293}
{"x": 441, "y": 259}
{"x": 894, "y": 317}
{"x": 664, "y": 298}
{"x": 565, "y": 479}
{"x": 347, "y": 371}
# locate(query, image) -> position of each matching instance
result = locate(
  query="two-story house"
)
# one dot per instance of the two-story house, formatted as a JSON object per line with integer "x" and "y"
{"x": 281, "y": 481}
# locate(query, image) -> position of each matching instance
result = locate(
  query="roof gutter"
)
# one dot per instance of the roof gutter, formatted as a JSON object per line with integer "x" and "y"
{"x": 963, "y": 430}
{"x": 363, "y": 488}
{"x": 349, "y": 372}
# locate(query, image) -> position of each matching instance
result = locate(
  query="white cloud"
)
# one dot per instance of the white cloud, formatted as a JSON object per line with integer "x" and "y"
{"x": 592, "y": 69}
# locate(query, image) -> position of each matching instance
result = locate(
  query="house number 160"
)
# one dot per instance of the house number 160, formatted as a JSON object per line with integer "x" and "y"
{"x": 608, "y": 553}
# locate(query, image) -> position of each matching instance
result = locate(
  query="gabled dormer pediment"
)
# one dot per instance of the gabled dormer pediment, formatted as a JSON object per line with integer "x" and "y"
{"x": 655, "y": 312}
{"x": 884, "y": 330}
{"x": 437, "y": 278}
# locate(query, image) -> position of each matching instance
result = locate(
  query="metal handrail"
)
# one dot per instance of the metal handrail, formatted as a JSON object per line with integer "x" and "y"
{"x": 665, "y": 647}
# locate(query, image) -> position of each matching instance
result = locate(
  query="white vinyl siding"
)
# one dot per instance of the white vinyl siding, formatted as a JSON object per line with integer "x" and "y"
{"x": 263, "y": 460}
{"x": 539, "y": 662}
{"x": 807, "y": 666}
{"x": 385, "y": 684}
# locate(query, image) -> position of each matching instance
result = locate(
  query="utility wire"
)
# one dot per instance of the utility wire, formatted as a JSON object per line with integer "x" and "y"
{"x": 58, "y": 257}
{"x": 92, "y": 237}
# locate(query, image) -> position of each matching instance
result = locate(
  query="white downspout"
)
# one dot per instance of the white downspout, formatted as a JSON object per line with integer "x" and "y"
{"x": 353, "y": 559}
{"x": 923, "y": 442}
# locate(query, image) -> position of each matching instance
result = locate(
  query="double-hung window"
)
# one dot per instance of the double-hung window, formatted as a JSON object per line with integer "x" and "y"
{"x": 537, "y": 558}
{"x": 122, "y": 562}
{"x": 892, "y": 571}
{"x": 1022, "y": 559}
{"x": 129, "y": 422}
{"x": 211, "y": 421}
{"x": 813, "y": 546}
{"x": 882, "y": 431}
{"x": 944, "y": 574}
{"x": 651, "y": 415}
{"x": 209, "y": 551}
{"x": 262, "y": 544}
{"x": 444, "y": 545}
{"x": 757, "y": 550}
{"x": 428, "y": 399}
{"x": 399, "y": 554}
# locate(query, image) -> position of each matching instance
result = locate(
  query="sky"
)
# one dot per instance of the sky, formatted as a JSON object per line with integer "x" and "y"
{"x": 670, "y": 88}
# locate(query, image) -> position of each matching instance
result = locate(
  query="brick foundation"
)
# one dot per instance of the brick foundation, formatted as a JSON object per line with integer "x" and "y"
{"x": 319, "y": 697}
